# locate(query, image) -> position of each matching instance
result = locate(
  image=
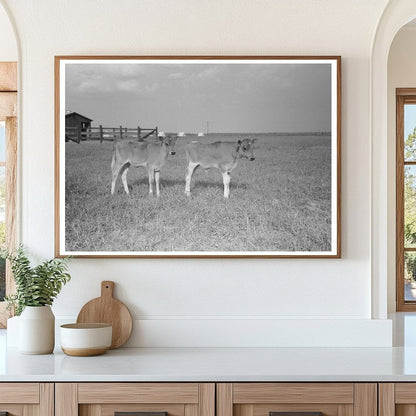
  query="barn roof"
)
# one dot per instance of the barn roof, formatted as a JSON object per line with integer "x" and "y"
{"x": 78, "y": 114}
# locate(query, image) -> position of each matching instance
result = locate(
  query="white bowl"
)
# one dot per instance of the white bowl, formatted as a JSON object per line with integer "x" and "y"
{"x": 84, "y": 340}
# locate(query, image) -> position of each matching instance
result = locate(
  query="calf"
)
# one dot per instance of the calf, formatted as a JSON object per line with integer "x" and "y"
{"x": 151, "y": 155}
{"x": 220, "y": 155}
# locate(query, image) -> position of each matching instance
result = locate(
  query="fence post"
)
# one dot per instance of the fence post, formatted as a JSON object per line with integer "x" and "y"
{"x": 138, "y": 133}
{"x": 101, "y": 133}
{"x": 121, "y": 132}
{"x": 157, "y": 134}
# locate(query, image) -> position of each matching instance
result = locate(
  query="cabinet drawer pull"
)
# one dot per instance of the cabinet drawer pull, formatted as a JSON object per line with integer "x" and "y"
{"x": 295, "y": 413}
{"x": 139, "y": 414}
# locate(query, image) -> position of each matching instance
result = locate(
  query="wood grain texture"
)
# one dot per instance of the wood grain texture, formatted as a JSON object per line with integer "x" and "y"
{"x": 66, "y": 399}
{"x": 339, "y": 158}
{"x": 224, "y": 399}
{"x": 405, "y": 393}
{"x": 109, "y": 310}
{"x": 57, "y": 153}
{"x": 11, "y": 196}
{"x": 386, "y": 399}
{"x": 365, "y": 403}
{"x": 346, "y": 410}
{"x": 207, "y": 399}
{"x": 405, "y": 91}
{"x": 90, "y": 410}
{"x": 403, "y": 96}
{"x": 245, "y": 410}
{"x": 31, "y": 410}
{"x": 8, "y": 105}
{"x": 190, "y": 410}
{"x": 400, "y": 304}
{"x": 19, "y": 393}
{"x": 47, "y": 399}
{"x": 341, "y": 393}
{"x": 11, "y": 207}
{"x": 405, "y": 410}
{"x": 8, "y": 76}
{"x": 138, "y": 393}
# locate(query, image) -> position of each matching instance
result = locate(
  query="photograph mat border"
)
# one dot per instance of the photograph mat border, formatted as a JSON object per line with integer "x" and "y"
{"x": 60, "y": 72}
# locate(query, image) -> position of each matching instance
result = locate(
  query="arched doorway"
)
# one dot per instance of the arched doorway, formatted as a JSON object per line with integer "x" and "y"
{"x": 395, "y": 16}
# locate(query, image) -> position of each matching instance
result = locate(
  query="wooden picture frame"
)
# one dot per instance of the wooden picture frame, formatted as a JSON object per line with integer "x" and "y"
{"x": 266, "y": 129}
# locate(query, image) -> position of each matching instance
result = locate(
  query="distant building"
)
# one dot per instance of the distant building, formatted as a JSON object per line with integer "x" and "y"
{"x": 181, "y": 134}
{"x": 161, "y": 134}
{"x": 201, "y": 134}
{"x": 75, "y": 125}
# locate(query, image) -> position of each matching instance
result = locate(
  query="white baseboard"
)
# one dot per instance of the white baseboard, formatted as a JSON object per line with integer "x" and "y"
{"x": 256, "y": 332}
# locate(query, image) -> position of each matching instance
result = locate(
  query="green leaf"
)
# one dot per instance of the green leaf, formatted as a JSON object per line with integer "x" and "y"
{"x": 35, "y": 286}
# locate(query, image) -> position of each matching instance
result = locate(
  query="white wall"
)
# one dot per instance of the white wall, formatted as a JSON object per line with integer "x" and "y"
{"x": 8, "y": 47}
{"x": 401, "y": 74}
{"x": 197, "y": 302}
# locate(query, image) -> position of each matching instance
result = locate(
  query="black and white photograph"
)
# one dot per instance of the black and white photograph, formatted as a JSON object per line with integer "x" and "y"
{"x": 198, "y": 156}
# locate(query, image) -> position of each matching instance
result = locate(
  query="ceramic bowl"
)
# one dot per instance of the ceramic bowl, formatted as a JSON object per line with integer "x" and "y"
{"x": 83, "y": 340}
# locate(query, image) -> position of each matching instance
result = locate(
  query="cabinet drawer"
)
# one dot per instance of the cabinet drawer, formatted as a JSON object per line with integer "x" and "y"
{"x": 138, "y": 393}
{"x": 150, "y": 399}
{"x": 19, "y": 393}
{"x": 303, "y": 399}
{"x": 21, "y": 399}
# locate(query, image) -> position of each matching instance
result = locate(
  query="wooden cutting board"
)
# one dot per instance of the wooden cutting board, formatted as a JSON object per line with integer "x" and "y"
{"x": 108, "y": 310}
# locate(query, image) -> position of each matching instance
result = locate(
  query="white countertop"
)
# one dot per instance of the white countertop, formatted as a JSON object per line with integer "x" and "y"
{"x": 215, "y": 364}
{"x": 221, "y": 364}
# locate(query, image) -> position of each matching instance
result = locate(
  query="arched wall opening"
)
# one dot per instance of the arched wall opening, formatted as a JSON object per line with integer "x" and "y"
{"x": 396, "y": 15}
{"x": 401, "y": 73}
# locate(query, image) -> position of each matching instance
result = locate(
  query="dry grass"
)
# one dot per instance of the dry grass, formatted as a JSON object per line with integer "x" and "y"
{"x": 279, "y": 202}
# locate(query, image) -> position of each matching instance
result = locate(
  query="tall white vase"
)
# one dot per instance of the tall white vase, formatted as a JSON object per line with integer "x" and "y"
{"x": 37, "y": 330}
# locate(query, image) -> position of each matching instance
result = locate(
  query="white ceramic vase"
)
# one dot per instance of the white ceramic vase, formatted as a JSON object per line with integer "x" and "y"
{"x": 37, "y": 330}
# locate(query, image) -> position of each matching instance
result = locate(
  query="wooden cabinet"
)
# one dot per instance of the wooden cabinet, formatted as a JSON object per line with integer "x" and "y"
{"x": 397, "y": 399}
{"x": 27, "y": 399}
{"x": 105, "y": 399}
{"x": 208, "y": 399}
{"x": 331, "y": 399}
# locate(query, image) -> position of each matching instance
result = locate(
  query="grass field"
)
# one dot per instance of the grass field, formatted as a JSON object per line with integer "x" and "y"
{"x": 279, "y": 202}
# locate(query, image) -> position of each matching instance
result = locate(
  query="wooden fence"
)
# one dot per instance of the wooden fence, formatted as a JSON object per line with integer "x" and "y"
{"x": 108, "y": 133}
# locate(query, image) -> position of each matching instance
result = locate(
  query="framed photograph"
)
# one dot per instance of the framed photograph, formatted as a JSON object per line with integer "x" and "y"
{"x": 198, "y": 156}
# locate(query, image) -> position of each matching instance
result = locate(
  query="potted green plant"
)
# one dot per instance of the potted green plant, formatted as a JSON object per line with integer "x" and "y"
{"x": 36, "y": 289}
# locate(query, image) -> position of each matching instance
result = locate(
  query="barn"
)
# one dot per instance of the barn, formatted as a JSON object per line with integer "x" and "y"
{"x": 75, "y": 125}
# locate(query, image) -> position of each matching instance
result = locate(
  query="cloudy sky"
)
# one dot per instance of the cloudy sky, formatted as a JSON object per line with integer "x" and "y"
{"x": 177, "y": 97}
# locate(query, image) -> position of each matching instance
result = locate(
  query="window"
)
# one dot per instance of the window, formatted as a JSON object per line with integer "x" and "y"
{"x": 406, "y": 199}
{"x": 8, "y": 166}
{"x": 2, "y": 206}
